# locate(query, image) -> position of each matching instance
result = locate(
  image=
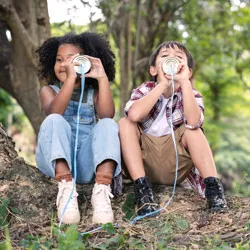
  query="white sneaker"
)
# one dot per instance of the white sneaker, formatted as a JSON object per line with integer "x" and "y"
{"x": 71, "y": 214}
{"x": 100, "y": 201}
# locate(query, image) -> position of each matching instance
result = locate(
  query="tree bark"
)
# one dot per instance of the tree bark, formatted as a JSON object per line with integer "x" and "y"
{"x": 28, "y": 23}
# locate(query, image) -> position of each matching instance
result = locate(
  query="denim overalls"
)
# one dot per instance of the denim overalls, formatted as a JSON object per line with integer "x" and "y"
{"x": 96, "y": 141}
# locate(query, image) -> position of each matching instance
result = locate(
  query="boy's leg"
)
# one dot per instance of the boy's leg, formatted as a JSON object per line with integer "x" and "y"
{"x": 132, "y": 155}
{"x": 107, "y": 161}
{"x": 196, "y": 143}
{"x": 53, "y": 159}
{"x": 131, "y": 150}
{"x": 159, "y": 158}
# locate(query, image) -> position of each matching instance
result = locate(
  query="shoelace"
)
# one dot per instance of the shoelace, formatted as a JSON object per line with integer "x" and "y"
{"x": 103, "y": 203}
{"x": 64, "y": 193}
{"x": 215, "y": 189}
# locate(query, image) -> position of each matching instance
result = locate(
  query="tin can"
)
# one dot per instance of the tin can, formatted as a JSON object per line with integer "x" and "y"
{"x": 82, "y": 60}
{"x": 170, "y": 65}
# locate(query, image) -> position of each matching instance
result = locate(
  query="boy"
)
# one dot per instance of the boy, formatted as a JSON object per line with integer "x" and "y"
{"x": 145, "y": 133}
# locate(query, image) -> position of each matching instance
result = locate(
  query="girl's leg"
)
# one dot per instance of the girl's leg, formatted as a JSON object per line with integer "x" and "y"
{"x": 62, "y": 171}
{"x": 196, "y": 143}
{"x": 106, "y": 147}
{"x": 53, "y": 152}
{"x": 107, "y": 162}
{"x": 105, "y": 172}
{"x": 53, "y": 156}
{"x": 132, "y": 156}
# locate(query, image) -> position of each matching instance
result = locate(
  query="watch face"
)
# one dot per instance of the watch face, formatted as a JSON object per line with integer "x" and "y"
{"x": 85, "y": 64}
{"x": 170, "y": 65}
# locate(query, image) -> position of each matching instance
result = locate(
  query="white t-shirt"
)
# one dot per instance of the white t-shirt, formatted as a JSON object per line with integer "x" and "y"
{"x": 160, "y": 126}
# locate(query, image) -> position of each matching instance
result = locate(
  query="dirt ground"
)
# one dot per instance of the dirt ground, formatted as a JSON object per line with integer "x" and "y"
{"x": 33, "y": 195}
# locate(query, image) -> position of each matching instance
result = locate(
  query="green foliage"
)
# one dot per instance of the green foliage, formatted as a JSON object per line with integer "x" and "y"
{"x": 36, "y": 243}
{"x": 241, "y": 246}
{"x": 6, "y": 245}
{"x": 4, "y": 204}
{"x": 128, "y": 206}
{"x": 162, "y": 230}
{"x": 109, "y": 228}
{"x": 216, "y": 244}
{"x": 10, "y": 112}
{"x": 6, "y": 106}
{"x": 70, "y": 240}
{"x": 60, "y": 29}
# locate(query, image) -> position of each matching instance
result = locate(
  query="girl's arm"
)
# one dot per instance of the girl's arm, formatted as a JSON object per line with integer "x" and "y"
{"x": 104, "y": 104}
{"x": 57, "y": 103}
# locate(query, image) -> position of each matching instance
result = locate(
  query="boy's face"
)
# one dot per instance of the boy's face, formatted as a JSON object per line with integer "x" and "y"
{"x": 168, "y": 52}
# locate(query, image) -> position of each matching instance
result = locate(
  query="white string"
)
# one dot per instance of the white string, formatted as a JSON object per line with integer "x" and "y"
{"x": 76, "y": 142}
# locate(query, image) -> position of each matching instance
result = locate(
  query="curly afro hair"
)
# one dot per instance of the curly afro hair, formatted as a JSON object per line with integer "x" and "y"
{"x": 91, "y": 44}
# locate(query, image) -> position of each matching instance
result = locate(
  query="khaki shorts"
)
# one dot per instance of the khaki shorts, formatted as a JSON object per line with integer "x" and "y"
{"x": 159, "y": 159}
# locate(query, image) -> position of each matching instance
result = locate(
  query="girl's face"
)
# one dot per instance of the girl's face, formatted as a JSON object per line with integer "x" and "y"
{"x": 65, "y": 52}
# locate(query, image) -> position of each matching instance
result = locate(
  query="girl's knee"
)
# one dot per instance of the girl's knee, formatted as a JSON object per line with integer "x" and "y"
{"x": 107, "y": 123}
{"x": 53, "y": 118}
{"x": 54, "y": 121}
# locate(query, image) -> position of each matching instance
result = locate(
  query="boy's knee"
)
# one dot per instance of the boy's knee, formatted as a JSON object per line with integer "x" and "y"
{"x": 194, "y": 132}
{"x": 126, "y": 123}
{"x": 190, "y": 134}
{"x": 122, "y": 121}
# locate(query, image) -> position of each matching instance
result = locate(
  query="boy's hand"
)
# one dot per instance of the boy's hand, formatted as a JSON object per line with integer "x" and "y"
{"x": 97, "y": 71}
{"x": 163, "y": 78}
{"x": 183, "y": 74}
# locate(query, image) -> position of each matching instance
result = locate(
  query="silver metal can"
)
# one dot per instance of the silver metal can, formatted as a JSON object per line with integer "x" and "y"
{"x": 170, "y": 65}
{"x": 82, "y": 60}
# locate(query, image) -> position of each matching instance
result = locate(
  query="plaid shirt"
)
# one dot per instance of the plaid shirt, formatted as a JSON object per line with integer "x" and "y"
{"x": 194, "y": 179}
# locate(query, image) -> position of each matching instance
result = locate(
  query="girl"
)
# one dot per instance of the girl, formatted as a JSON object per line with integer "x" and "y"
{"x": 98, "y": 149}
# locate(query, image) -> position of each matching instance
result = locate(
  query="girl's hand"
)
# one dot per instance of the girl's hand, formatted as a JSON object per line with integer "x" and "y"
{"x": 69, "y": 67}
{"x": 97, "y": 71}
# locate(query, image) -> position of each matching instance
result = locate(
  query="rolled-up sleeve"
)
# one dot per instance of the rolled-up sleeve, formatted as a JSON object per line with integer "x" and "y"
{"x": 137, "y": 94}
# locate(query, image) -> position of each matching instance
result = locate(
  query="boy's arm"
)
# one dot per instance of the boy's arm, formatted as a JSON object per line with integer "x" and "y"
{"x": 141, "y": 107}
{"x": 192, "y": 111}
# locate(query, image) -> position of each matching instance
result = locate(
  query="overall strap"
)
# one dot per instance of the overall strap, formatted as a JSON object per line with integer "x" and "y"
{"x": 55, "y": 88}
{"x": 90, "y": 97}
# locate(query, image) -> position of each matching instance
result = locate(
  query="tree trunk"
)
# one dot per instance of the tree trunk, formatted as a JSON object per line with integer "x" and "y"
{"x": 28, "y": 22}
{"x": 125, "y": 45}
